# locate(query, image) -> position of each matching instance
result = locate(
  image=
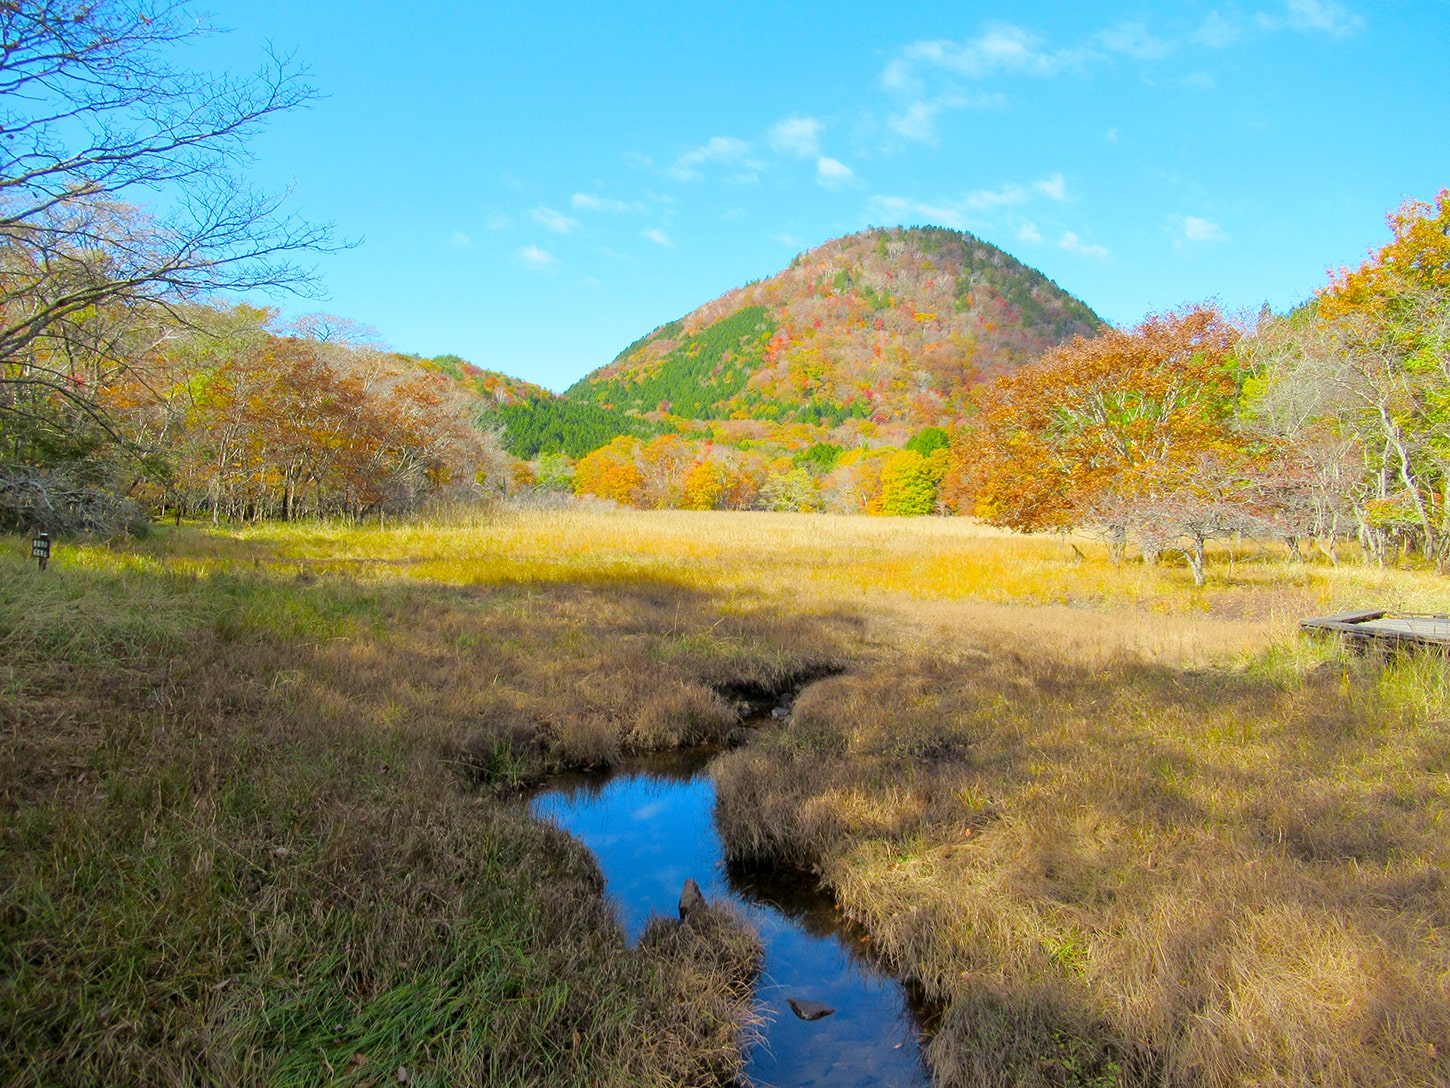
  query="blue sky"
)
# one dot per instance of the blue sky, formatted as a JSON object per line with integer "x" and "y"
{"x": 533, "y": 189}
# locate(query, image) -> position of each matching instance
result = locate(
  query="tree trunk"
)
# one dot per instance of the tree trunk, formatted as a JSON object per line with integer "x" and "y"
{"x": 1195, "y": 560}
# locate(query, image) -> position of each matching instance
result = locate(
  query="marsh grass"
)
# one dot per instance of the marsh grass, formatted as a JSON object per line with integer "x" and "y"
{"x": 257, "y": 821}
{"x": 1131, "y": 873}
{"x": 240, "y": 844}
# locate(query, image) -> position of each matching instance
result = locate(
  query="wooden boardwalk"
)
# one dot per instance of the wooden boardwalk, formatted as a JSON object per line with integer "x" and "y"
{"x": 1387, "y": 628}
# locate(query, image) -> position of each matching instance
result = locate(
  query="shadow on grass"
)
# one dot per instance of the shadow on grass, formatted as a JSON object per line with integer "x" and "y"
{"x": 1131, "y": 874}
{"x": 234, "y": 851}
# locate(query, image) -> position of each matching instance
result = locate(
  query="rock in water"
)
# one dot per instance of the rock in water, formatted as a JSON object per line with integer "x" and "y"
{"x": 809, "y": 1010}
{"x": 691, "y": 899}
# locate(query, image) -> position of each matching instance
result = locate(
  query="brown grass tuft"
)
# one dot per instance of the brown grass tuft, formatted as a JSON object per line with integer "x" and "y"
{"x": 681, "y": 715}
{"x": 1130, "y": 873}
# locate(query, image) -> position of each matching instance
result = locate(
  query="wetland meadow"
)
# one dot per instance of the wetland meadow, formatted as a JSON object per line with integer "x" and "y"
{"x": 262, "y": 798}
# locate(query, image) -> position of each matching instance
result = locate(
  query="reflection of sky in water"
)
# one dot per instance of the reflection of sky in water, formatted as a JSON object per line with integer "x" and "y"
{"x": 649, "y": 835}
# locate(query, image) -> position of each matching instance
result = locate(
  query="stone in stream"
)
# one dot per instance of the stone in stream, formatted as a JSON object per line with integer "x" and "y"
{"x": 809, "y": 1010}
{"x": 691, "y": 899}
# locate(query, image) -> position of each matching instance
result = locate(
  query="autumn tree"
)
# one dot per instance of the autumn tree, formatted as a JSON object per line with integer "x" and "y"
{"x": 703, "y": 487}
{"x": 610, "y": 472}
{"x": 1354, "y": 388}
{"x": 255, "y": 425}
{"x": 1415, "y": 261}
{"x": 97, "y": 120}
{"x": 1294, "y": 395}
{"x": 789, "y": 489}
{"x": 1388, "y": 325}
{"x": 853, "y": 486}
{"x": 744, "y": 473}
{"x": 909, "y": 482}
{"x": 1098, "y": 426}
{"x": 663, "y": 464}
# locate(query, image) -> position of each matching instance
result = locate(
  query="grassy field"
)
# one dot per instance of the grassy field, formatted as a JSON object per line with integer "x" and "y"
{"x": 256, "y": 791}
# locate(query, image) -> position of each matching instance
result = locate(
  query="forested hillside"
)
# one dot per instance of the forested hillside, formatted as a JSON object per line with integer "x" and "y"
{"x": 553, "y": 425}
{"x": 891, "y": 325}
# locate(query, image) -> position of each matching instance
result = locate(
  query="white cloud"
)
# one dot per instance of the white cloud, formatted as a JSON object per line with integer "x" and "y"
{"x": 917, "y": 120}
{"x": 984, "y": 200}
{"x": 1199, "y": 81}
{"x": 460, "y": 240}
{"x": 902, "y": 210}
{"x": 832, "y": 172}
{"x": 658, "y": 237}
{"x": 1134, "y": 40}
{"x": 1073, "y": 244}
{"x": 1028, "y": 232}
{"x": 720, "y": 150}
{"x": 1054, "y": 188}
{"x": 1306, "y": 16}
{"x": 1312, "y": 16}
{"x": 1111, "y": 136}
{"x": 590, "y": 202}
{"x": 970, "y": 206}
{"x": 1002, "y": 48}
{"x": 1322, "y": 15}
{"x": 557, "y": 222}
{"x": 536, "y": 258}
{"x": 498, "y": 221}
{"x": 1195, "y": 229}
{"x": 1218, "y": 31}
{"x": 797, "y": 136}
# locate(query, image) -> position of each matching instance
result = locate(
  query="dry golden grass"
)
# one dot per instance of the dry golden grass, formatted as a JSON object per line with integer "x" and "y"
{"x": 819, "y": 560}
{"x": 1126, "y": 830}
{"x": 241, "y": 843}
{"x": 1128, "y": 871}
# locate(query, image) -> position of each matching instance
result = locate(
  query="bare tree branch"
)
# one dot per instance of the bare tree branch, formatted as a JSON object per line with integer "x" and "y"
{"x": 123, "y": 181}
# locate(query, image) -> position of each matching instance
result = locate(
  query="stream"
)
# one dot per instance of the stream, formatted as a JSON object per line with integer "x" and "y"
{"x": 650, "y": 824}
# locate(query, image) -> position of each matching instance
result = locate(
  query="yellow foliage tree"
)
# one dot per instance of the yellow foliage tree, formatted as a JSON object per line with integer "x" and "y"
{"x": 704, "y": 487}
{"x": 610, "y": 472}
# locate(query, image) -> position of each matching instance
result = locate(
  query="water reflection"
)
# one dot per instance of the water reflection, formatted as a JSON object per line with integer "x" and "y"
{"x": 651, "y": 826}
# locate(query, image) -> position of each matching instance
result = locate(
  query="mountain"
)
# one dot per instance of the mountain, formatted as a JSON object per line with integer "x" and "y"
{"x": 893, "y": 326}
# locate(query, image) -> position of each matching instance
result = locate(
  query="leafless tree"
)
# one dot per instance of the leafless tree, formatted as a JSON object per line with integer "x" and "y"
{"x": 123, "y": 183}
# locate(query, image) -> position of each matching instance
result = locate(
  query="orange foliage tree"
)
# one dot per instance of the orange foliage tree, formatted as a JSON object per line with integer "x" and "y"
{"x": 1416, "y": 259}
{"x": 704, "y": 486}
{"x": 610, "y": 472}
{"x": 1388, "y": 338}
{"x": 287, "y": 427}
{"x": 1130, "y": 419}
